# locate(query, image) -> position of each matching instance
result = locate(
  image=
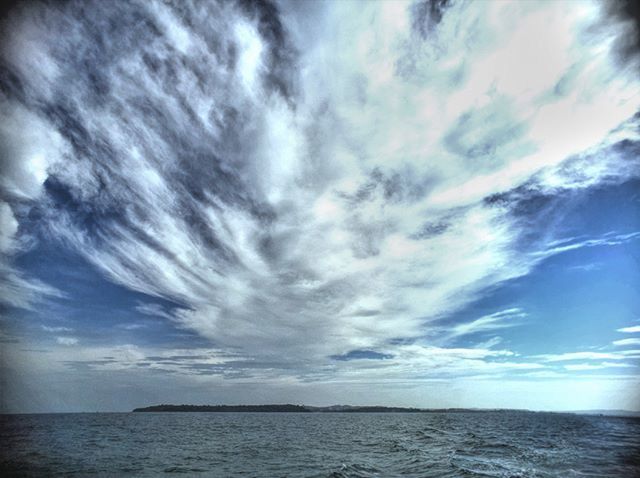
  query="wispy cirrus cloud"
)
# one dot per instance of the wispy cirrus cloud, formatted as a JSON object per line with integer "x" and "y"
{"x": 153, "y": 310}
{"x": 498, "y": 320}
{"x": 304, "y": 188}
{"x": 611, "y": 239}
{"x": 598, "y": 366}
{"x": 21, "y": 291}
{"x": 582, "y": 356}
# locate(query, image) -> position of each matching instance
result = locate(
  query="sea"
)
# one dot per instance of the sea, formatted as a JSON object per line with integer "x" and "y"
{"x": 450, "y": 444}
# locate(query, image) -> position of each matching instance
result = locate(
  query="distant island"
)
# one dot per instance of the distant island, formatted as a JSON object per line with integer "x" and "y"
{"x": 288, "y": 408}
{"x": 272, "y": 408}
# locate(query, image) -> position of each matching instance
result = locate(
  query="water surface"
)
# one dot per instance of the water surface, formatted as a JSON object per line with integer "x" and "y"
{"x": 499, "y": 444}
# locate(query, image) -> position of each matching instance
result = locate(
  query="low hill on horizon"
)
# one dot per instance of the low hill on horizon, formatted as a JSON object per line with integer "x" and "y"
{"x": 290, "y": 408}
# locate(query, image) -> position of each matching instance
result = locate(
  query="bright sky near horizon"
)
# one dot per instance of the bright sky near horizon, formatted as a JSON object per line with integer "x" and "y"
{"x": 430, "y": 204}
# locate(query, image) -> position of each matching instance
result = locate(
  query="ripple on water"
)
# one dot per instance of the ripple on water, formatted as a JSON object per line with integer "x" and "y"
{"x": 320, "y": 445}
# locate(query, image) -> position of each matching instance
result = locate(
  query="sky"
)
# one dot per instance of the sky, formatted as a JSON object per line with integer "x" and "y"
{"x": 426, "y": 204}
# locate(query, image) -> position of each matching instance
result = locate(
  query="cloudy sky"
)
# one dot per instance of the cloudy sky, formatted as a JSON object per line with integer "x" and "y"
{"x": 432, "y": 204}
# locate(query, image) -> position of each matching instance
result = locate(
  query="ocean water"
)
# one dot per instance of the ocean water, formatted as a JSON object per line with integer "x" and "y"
{"x": 500, "y": 444}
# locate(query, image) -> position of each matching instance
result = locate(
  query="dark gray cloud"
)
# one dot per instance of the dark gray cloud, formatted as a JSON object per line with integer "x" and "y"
{"x": 627, "y": 12}
{"x": 362, "y": 355}
{"x": 427, "y": 14}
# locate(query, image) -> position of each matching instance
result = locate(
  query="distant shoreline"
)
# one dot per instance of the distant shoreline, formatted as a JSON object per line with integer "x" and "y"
{"x": 289, "y": 408}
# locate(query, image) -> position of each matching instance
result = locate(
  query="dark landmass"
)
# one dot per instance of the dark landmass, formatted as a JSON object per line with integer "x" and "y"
{"x": 291, "y": 408}
{"x": 612, "y": 413}
{"x": 223, "y": 408}
{"x": 288, "y": 408}
{"x": 272, "y": 408}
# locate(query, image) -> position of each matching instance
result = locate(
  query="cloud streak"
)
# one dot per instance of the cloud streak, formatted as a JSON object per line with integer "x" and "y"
{"x": 498, "y": 320}
{"x": 630, "y": 330}
{"x": 625, "y": 342}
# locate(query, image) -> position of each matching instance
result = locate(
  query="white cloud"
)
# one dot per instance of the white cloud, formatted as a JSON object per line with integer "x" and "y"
{"x": 249, "y": 62}
{"x": 625, "y": 342}
{"x": 581, "y": 356}
{"x": 630, "y": 330}
{"x": 8, "y": 227}
{"x": 32, "y": 145}
{"x": 67, "y": 340}
{"x": 588, "y": 366}
{"x": 134, "y": 326}
{"x": 58, "y": 329}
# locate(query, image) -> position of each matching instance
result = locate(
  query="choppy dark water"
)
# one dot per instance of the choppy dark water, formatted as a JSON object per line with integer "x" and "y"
{"x": 320, "y": 445}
